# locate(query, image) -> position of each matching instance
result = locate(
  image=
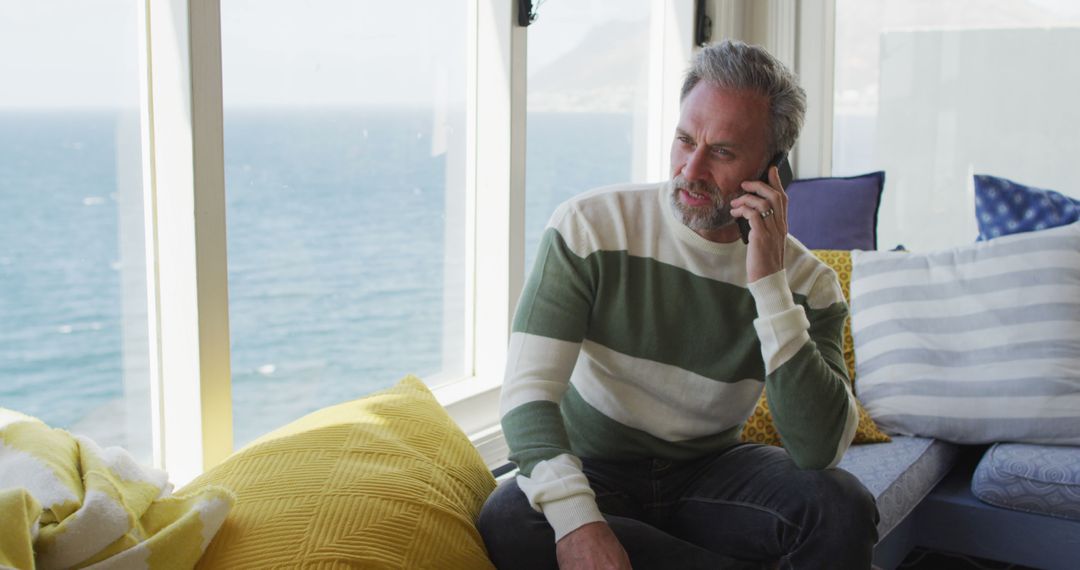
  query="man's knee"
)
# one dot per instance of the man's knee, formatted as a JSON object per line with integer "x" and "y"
{"x": 832, "y": 493}
{"x": 841, "y": 497}
{"x": 506, "y": 510}
{"x": 846, "y": 489}
{"x": 516, "y": 535}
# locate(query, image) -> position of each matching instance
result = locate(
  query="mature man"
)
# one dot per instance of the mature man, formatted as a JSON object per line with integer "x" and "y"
{"x": 645, "y": 335}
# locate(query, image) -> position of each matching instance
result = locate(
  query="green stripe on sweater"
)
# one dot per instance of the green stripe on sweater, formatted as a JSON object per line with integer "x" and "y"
{"x": 805, "y": 414}
{"x": 626, "y": 314}
{"x": 534, "y": 430}
{"x": 559, "y": 310}
{"x": 652, "y": 296}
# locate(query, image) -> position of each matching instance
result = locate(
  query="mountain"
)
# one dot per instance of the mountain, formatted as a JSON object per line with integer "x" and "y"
{"x": 600, "y": 74}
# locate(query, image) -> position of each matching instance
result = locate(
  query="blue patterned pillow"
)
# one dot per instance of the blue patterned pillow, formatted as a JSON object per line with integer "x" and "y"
{"x": 1003, "y": 207}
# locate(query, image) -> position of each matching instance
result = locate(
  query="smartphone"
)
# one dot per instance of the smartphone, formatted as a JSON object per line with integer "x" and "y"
{"x": 743, "y": 223}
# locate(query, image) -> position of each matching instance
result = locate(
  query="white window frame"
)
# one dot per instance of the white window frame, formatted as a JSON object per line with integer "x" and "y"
{"x": 184, "y": 196}
{"x": 815, "y": 61}
{"x": 187, "y": 269}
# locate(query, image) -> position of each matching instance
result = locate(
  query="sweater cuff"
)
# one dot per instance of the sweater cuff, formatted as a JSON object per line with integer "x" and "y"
{"x": 772, "y": 295}
{"x": 558, "y": 488}
{"x": 781, "y": 324}
{"x": 567, "y": 515}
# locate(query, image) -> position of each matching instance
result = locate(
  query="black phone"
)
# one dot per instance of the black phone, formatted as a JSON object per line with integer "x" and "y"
{"x": 743, "y": 223}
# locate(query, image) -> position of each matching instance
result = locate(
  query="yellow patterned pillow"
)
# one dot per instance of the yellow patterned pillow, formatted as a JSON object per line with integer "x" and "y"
{"x": 386, "y": 481}
{"x": 840, "y": 262}
{"x": 760, "y": 429}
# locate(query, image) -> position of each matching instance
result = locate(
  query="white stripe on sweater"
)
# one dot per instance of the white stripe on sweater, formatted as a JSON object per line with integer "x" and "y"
{"x": 581, "y": 221}
{"x": 664, "y": 401}
{"x": 848, "y": 434}
{"x": 531, "y": 362}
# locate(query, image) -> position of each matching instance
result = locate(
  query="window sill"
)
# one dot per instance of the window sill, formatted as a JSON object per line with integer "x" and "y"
{"x": 473, "y": 403}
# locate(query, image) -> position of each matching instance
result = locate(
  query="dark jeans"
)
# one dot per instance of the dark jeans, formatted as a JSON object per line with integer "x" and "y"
{"x": 744, "y": 508}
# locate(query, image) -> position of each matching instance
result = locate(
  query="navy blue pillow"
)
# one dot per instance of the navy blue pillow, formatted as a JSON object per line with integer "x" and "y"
{"x": 1004, "y": 207}
{"x": 836, "y": 213}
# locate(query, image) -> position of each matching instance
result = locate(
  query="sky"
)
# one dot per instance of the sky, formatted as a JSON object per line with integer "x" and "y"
{"x": 56, "y": 53}
{"x": 59, "y": 53}
{"x": 84, "y": 53}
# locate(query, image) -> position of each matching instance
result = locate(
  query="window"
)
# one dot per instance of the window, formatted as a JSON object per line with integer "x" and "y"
{"x": 345, "y": 135}
{"x": 373, "y": 195}
{"x": 587, "y": 104}
{"x": 73, "y": 340}
{"x": 933, "y": 92}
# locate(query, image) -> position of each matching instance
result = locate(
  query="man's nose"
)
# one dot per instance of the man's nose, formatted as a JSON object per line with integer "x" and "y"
{"x": 696, "y": 165}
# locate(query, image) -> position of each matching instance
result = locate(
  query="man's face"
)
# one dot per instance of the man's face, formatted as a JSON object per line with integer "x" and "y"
{"x": 721, "y": 140}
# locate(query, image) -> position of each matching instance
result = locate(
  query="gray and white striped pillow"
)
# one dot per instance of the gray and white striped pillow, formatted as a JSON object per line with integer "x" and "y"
{"x": 974, "y": 344}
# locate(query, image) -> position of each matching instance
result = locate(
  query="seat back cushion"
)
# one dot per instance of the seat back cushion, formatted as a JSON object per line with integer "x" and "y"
{"x": 835, "y": 213}
{"x": 1041, "y": 479}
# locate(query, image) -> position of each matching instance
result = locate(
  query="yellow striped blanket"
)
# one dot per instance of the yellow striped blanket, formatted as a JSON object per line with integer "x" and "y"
{"x": 67, "y": 503}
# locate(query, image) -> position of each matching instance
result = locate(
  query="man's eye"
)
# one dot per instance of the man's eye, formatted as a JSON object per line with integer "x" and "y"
{"x": 721, "y": 151}
{"x": 685, "y": 140}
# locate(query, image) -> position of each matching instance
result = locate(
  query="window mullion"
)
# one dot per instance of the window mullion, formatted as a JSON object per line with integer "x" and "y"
{"x": 495, "y": 207}
{"x": 671, "y": 45}
{"x": 814, "y": 62}
{"x": 500, "y": 180}
{"x": 187, "y": 269}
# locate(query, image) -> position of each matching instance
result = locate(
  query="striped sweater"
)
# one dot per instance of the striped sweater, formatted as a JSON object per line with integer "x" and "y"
{"x": 637, "y": 338}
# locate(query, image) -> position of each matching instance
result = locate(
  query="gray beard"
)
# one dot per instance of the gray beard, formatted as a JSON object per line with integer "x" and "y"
{"x": 706, "y": 218}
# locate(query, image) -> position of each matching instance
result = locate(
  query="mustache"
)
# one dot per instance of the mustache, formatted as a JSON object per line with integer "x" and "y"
{"x": 698, "y": 187}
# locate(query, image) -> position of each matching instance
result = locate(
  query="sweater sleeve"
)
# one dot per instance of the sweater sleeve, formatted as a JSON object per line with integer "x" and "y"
{"x": 549, "y": 326}
{"x": 806, "y": 380}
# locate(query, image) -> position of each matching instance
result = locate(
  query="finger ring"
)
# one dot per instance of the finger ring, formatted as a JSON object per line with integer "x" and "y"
{"x": 767, "y": 213}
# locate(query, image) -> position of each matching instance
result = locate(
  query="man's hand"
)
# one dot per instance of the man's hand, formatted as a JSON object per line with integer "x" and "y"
{"x": 591, "y": 546}
{"x": 766, "y": 210}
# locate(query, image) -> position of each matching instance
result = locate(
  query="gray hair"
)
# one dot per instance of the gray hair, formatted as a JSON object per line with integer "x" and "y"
{"x": 732, "y": 64}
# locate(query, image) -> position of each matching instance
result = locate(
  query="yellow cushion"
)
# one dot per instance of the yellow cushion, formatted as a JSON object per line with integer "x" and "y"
{"x": 386, "y": 481}
{"x": 760, "y": 429}
{"x": 840, "y": 262}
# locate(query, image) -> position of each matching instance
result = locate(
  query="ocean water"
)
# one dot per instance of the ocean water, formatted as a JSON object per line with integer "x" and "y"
{"x": 344, "y": 244}
{"x": 60, "y": 289}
